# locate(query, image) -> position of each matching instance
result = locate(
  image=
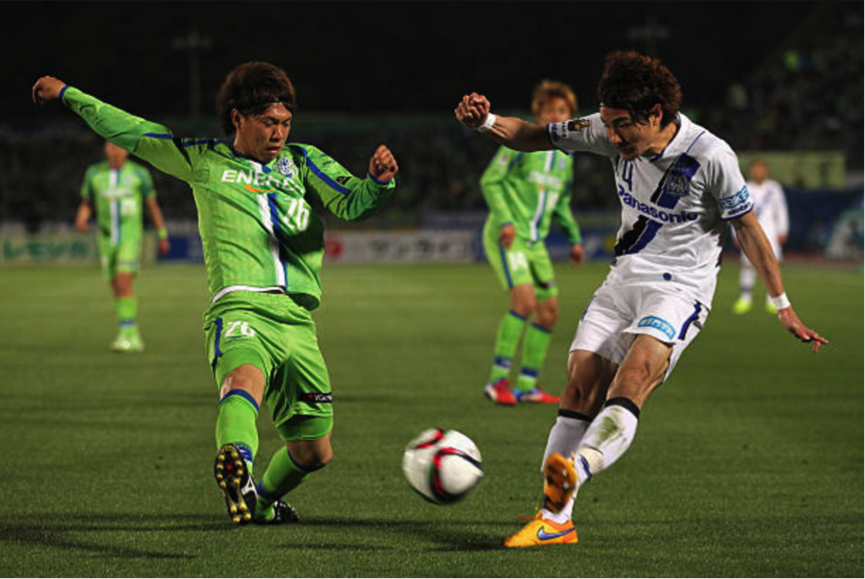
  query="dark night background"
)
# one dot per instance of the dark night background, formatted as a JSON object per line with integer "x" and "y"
{"x": 381, "y": 56}
{"x": 762, "y": 75}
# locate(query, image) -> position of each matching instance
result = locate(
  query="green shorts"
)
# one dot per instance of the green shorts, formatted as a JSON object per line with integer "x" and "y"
{"x": 123, "y": 256}
{"x": 521, "y": 263}
{"x": 277, "y": 336}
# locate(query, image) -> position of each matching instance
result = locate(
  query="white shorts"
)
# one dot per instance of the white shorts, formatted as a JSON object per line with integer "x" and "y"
{"x": 618, "y": 313}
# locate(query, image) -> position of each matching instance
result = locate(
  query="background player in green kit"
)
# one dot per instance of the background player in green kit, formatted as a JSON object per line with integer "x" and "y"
{"x": 524, "y": 192}
{"x": 116, "y": 188}
{"x": 263, "y": 247}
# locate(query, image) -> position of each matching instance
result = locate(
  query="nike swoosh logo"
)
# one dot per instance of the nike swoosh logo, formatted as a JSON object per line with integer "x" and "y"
{"x": 547, "y": 536}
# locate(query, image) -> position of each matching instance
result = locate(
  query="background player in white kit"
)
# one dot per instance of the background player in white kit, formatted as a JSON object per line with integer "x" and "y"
{"x": 678, "y": 185}
{"x": 770, "y": 207}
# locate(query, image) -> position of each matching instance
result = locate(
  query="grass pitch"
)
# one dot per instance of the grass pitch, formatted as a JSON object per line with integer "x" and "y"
{"x": 748, "y": 461}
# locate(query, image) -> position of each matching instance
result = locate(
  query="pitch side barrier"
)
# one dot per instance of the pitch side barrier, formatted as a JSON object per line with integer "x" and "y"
{"x": 825, "y": 222}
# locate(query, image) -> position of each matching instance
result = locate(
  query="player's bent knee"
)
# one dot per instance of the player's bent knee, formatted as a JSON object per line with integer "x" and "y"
{"x": 246, "y": 377}
{"x": 311, "y": 455}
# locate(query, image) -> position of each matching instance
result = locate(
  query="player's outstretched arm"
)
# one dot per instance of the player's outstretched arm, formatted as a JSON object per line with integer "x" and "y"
{"x": 343, "y": 194}
{"x": 756, "y": 246}
{"x": 473, "y": 111}
{"x": 150, "y": 141}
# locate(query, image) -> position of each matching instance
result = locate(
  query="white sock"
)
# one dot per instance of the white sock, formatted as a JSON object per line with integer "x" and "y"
{"x": 747, "y": 277}
{"x": 566, "y": 434}
{"x": 565, "y": 437}
{"x": 607, "y": 438}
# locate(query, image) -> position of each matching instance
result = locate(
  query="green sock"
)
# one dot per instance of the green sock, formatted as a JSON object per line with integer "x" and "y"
{"x": 236, "y": 424}
{"x": 127, "y": 312}
{"x": 510, "y": 329}
{"x": 282, "y": 476}
{"x": 535, "y": 346}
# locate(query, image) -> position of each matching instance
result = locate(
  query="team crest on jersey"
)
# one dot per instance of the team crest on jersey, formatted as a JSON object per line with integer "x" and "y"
{"x": 678, "y": 184}
{"x": 286, "y": 167}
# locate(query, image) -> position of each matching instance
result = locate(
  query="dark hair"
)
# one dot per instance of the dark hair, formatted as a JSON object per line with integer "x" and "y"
{"x": 637, "y": 83}
{"x": 551, "y": 89}
{"x": 251, "y": 88}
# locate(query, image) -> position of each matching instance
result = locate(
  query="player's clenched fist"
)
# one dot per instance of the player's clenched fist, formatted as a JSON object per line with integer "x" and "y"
{"x": 382, "y": 165}
{"x": 472, "y": 110}
{"x": 47, "y": 89}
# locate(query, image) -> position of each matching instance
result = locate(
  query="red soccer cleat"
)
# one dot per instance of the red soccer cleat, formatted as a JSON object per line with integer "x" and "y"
{"x": 500, "y": 393}
{"x": 537, "y": 396}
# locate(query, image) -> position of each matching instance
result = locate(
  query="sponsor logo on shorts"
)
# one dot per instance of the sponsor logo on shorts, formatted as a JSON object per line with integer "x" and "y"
{"x": 657, "y": 323}
{"x": 317, "y": 398}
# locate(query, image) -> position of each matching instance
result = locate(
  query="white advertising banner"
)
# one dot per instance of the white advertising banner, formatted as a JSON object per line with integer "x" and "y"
{"x": 400, "y": 246}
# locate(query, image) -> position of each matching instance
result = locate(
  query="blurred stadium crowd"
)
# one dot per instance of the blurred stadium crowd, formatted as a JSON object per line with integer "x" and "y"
{"x": 806, "y": 95}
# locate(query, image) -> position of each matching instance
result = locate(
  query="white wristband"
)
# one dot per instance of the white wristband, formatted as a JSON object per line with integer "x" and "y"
{"x": 781, "y": 301}
{"x": 488, "y": 123}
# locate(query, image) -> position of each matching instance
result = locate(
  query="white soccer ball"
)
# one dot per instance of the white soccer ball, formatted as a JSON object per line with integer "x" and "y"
{"x": 443, "y": 466}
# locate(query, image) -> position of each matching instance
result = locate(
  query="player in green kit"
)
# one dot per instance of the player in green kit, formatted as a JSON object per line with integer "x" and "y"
{"x": 263, "y": 247}
{"x": 525, "y": 192}
{"x": 118, "y": 189}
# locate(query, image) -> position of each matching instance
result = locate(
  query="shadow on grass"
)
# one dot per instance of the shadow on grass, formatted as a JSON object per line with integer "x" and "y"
{"x": 68, "y": 532}
{"x": 447, "y": 536}
{"x": 63, "y": 531}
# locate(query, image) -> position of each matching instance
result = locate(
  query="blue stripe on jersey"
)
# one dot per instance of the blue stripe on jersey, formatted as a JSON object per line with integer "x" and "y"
{"x": 216, "y": 351}
{"x": 197, "y": 142}
{"x": 652, "y": 228}
{"x": 318, "y": 172}
{"x": 505, "y": 265}
{"x": 158, "y": 135}
{"x": 278, "y": 231}
{"x": 374, "y": 180}
{"x": 515, "y": 160}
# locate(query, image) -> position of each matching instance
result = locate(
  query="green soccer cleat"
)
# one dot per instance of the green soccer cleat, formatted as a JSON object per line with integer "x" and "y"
{"x": 128, "y": 341}
{"x": 742, "y": 306}
{"x": 771, "y": 309}
{"x": 235, "y": 481}
{"x": 137, "y": 342}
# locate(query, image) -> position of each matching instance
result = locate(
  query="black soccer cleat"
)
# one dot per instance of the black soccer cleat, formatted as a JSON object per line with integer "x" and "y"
{"x": 235, "y": 482}
{"x": 282, "y": 513}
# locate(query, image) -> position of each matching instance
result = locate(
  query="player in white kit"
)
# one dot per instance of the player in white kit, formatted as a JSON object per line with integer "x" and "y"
{"x": 679, "y": 186}
{"x": 770, "y": 207}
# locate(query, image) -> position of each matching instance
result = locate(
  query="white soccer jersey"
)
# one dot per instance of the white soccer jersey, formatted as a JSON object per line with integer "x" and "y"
{"x": 674, "y": 205}
{"x": 770, "y": 207}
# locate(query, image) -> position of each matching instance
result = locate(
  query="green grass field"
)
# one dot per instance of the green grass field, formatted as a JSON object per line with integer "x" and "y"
{"x": 748, "y": 461}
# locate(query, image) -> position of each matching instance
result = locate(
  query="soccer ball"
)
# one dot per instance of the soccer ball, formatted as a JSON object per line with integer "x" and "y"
{"x": 442, "y": 466}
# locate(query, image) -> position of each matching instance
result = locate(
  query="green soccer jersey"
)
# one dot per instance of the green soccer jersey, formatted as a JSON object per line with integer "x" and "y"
{"x": 528, "y": 190}
{"x": 257, "y": 226}
{"x": 117, "y": 196}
